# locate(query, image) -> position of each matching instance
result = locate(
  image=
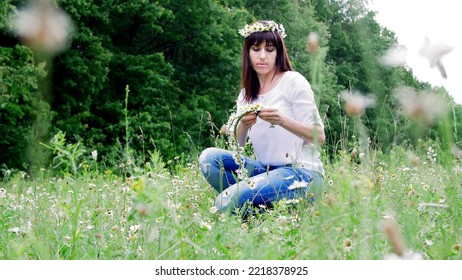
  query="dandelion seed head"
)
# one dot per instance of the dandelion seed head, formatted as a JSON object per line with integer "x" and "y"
{"x": 434, "y": 53}
{"x": 43, "y": 26}
{"x": 423, "y": 107}
{"x": 282, "y": 221}
{"x": 329, "y": 200}
{"x": 356, "y": 103}
{"x": 313, "y": 42}
{"x": 394, "y": 56}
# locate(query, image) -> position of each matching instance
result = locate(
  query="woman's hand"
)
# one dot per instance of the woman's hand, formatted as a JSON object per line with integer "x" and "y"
{"x": 249, "y": 120}
{"x": 271, "y": 115}
{"x": 308, "y": 132}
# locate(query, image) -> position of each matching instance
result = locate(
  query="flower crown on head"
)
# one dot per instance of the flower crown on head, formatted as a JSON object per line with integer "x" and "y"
{"x": 260, "y": 26}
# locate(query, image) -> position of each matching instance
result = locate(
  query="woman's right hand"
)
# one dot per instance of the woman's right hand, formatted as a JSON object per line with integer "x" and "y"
{"x": 249, "y": 120}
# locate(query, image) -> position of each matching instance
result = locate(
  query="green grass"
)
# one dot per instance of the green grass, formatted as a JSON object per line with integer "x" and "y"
{"x": 157, "y": 214}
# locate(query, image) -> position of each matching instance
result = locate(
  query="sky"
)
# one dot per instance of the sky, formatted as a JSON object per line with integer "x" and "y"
{"x": 441, "y": 22}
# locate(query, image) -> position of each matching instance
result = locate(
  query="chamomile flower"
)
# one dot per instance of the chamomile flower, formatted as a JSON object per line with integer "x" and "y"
{"x": 205, "y": 225}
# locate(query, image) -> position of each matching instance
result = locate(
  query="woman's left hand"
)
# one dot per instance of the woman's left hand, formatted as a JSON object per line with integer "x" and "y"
{"x": 271, "y": 115}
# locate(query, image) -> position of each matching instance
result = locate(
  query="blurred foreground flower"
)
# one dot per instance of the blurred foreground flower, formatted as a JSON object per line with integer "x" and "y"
{"x": 395, "y": 56}
{"x": 397, "y": 243}
{"x": 205, "y": 225}
{"x": 43, "y": 26}
{"x": 313, "y": 42}
{"x": 423, "y": 107}
{"x": 356, "y": 103}
{"x": 434, "y": 52}
{"x": 94, "y": 155}
{"x": 138, "y": 185}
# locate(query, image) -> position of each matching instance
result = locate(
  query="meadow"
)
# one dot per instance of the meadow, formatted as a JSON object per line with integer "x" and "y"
{"x": 401, "y": 202}
{"x": 373, "y": 205}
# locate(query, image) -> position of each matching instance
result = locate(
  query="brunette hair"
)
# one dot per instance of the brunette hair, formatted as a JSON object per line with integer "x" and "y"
{"x": 250, "y": 81}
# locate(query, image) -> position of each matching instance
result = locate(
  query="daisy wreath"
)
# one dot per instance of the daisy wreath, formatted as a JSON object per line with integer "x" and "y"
{"x": 262, "y": 26}
{"x": 232, "y": 124}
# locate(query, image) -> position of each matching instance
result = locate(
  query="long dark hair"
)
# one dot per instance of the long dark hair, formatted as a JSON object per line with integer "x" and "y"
{"x": 250, "y": 81}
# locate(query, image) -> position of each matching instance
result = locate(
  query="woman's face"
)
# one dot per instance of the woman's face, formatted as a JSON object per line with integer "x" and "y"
{"x": 263, "y": 58}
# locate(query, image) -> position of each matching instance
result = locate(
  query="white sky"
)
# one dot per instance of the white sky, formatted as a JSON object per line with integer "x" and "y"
{"x": 440, "y": 21}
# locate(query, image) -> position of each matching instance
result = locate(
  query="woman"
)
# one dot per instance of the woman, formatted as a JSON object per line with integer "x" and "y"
{"x": 286, "y": 133}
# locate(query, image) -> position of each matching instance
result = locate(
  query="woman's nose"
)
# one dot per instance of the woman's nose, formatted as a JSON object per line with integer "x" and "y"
{"x": 262, "y": 54}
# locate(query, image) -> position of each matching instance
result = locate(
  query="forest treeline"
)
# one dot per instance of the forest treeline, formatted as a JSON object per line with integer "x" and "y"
{"x": 163, "y": 75}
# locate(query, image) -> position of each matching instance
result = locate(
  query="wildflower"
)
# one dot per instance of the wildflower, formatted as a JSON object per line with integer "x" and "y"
{"x": 223, "y": 130}
{"x": 213, "y": 209}
{"x": 295, "y": 218}
{"x": 142, "y": 209}
{"x": 313, "y": 42}
{"x": 262, "y": 27}
{"x": 94, "y": 154}
{"x": 428, "y": 242}
{"x": 14, "y": 230}
{"x": 7, "y": 173}
{"x": 236, "y": 117}
{"x": 348, "y": 244}
{"x": 2, "y": 193}
{"x": 43, "y": 26}
{"x": 456, "y": 247}
{"x": 395, "y": 56}
{"x": 413, "y": 158}
{"x": 298, "y": 185}
{"x": 292, "y": 201}
{"x": 282, "y": 221}
{"x": 456, "y": 151}
{"x": 438, "y": 205}
{"x": 135, "y": 228}
{"x": 205, "y": 225}
{"x": 330, "y": 200}
{"x": 434, "y": 52}
{"x": 254, "y": 182}
{"x": 423, "y": 107}
{"x": 356, "y": 103}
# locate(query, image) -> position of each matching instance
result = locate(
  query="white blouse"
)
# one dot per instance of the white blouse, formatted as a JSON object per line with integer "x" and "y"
{"x": 273, "y": 146}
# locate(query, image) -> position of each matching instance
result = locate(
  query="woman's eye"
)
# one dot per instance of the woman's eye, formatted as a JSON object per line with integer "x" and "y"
{"x": 255, "y": 49}
{"x": 270, "y": 49}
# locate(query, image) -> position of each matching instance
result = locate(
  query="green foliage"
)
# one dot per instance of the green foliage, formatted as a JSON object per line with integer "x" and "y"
{"x": 181, "y": 60}
{"x": 18, "y": 94}
{"x": 68, "y": 157}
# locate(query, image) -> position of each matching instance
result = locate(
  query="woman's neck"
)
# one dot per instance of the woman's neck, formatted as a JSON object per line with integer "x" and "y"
{"x": 269, "y": 81}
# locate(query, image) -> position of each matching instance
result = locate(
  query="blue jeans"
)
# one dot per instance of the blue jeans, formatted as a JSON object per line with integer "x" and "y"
{"x": 270, "y": 183}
